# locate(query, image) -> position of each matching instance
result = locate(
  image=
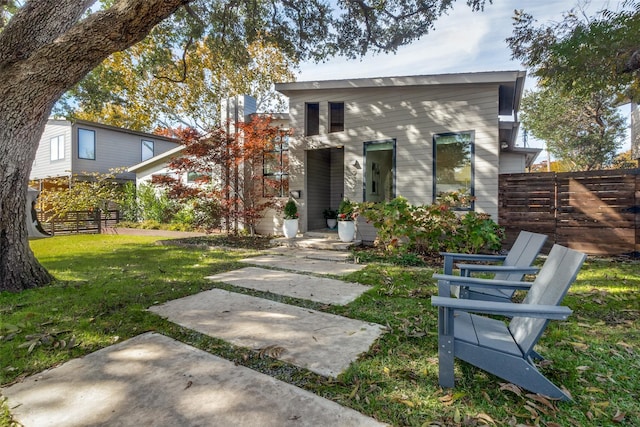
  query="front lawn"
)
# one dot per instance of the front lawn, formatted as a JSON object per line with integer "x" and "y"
{"x": 106, "y": 283}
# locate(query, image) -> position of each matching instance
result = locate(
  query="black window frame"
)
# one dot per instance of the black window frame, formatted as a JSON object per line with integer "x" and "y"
{"x": 93, "y": 132}
{"x": 336, "y": 117}
{"x": 312, "y": 118}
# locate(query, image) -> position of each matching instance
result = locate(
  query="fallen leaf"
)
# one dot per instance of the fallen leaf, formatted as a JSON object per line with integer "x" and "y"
{"x": 618, "y": 417}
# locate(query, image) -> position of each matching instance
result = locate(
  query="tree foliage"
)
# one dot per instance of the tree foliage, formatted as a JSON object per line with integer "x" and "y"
{"x": 584, "y": 132}
{"x": 48, "y": 47}
{"x": 81, "y": 192}
{"x": 583, "y": 54}
{"x": 227, "y": 167}
{"x": 187, "y": 90}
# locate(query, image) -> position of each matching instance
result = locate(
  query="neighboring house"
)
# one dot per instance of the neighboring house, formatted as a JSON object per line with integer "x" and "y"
{"x": 235, "y": 110}
{"x": 373, "y": 139}
{"x": 77, "y": 147}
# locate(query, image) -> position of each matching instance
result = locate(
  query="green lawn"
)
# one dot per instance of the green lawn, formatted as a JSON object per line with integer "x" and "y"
{"x": 106, "y": 283}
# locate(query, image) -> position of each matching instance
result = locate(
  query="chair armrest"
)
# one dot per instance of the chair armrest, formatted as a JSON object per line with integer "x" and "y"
{"x": 482, "y": 283}
{"x": 479, "y": 268}
{"x": 446, "y": 280}
{"x": 451, "y": 257}
{"x": 555, "y": 312}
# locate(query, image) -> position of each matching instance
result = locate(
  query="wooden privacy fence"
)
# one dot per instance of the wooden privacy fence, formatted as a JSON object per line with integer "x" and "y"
{"x": 87, "y": 222}
{"x": 597, "y": 212}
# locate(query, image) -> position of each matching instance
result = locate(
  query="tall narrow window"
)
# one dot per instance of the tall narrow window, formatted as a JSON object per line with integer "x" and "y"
{"x": 453, "y": 172}
{"x": 275, "y": 168}
{"x": 147, "y": 149}
{"x": 86, "y": 144}
{"x": 379, "y": 170}
{"x": 57, "y": 148}
{"x": 336, "y": 116}
{"x": 312, "y": 120}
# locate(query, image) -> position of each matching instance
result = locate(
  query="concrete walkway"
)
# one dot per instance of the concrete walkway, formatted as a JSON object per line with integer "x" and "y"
{"x": 308, "y": 265}
{"x": 312, "y": 288}
{"x": 321, "y": 342}
{"x": 154, "y": 380}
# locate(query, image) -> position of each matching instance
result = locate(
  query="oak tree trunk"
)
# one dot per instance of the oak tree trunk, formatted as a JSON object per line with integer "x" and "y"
{"x": 45, "y": 49}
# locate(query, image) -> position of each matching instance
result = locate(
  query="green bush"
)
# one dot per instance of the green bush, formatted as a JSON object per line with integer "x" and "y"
{"x": 429, "y": 229}
{"x": 154, "y": 204}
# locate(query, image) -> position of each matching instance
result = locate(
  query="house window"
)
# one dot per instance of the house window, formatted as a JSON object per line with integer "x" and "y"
{"x": 312, "y": 121}
{"x": 57, "y": 148}
{"x": 453, "y": 171}
{"x": 147, "y": 149}
{"x": 197, "y": 177}
{"x": 379, "y": 170}
{"x": 336, "y": 116}
{"x": 275, "y": 168}
{"x": 86, "y": 144}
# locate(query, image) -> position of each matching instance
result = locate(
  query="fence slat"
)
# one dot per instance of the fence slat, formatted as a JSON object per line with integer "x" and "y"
{"x": 597, "y": 212}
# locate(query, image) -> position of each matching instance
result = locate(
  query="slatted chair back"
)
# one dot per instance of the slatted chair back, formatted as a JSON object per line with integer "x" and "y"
{"x": 549, "y": 288}
{"x": 522, "y": 254}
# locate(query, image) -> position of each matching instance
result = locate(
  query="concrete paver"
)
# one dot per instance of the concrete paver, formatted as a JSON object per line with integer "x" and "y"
{"x": 311, "y": 253}
{"x": 307, "y": 265}
{"x": 152, "y": 380}
{"x": 321, "y": 342}
{"x": 312, "y": 288}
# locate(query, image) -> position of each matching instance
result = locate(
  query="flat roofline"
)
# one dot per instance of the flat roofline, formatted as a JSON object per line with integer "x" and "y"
{"x": 401, "y": 81}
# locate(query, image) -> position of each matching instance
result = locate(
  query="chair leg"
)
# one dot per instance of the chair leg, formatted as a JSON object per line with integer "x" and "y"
{"x": 445, "y": 347}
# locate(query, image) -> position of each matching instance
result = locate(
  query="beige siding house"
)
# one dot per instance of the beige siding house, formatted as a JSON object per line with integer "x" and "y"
{"x": 417, "y": 137}
{"x": 80, "y": 146}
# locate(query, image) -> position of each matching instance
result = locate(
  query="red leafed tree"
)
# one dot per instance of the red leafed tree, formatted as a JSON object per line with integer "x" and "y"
{"x": 228, "y": 167}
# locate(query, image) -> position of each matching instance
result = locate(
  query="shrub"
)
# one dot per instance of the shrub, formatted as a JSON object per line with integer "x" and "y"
{"x": 346, "y": 210}
{"x": 429, "y": 229}
{"x": 290, "y": 210}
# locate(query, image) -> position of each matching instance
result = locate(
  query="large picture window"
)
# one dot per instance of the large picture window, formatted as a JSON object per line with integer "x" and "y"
{"x": 379, "y": 171}
{"x": 275, "y": 168}
{"x": 86, "y": 144}
{"x": 453, "y": 171}
{"x": 312, "y": 118}
{"x": 57, "y": 148}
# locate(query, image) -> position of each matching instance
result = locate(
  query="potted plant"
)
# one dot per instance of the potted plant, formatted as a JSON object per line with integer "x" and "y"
{"x": 332, "y": 218}
{"x": 290, "y": 225}
{"x": 346, "y": 220}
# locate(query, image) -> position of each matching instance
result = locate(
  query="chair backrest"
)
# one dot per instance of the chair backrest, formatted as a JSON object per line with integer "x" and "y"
{"x": 522, "y": 254}
{"x": 549, "y": 288}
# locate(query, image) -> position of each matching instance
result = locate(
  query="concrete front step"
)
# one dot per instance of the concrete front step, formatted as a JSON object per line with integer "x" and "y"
{"x": 305, "y": 241}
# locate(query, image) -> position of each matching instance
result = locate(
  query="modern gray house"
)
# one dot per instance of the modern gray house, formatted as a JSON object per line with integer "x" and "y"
{"x": 77, "y": 147}
{"x": 373, "y": 139}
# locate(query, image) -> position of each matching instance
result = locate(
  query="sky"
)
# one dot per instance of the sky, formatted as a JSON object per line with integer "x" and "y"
{"x": 462, "y": 41}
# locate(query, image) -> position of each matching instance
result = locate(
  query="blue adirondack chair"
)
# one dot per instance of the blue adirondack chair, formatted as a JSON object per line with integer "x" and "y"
{"x": 514, "y": 266}
{"x": 506, "y": 351}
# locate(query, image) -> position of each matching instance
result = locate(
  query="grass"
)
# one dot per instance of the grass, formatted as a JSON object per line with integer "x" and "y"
{"x": 106, "y": 283}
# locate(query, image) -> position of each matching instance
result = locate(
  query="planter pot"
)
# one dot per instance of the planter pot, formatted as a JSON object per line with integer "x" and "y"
{"x": 290, "y": 228}
{"x": 346, "y": 230}
{"x": 331, "y": 223}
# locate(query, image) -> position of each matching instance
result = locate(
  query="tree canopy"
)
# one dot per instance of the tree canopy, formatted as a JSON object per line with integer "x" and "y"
{"x": 583, "y": 131}
{"x": 581, "y": 53}
{"x": 47, "y": 47}
{"x": 586, "y": 67}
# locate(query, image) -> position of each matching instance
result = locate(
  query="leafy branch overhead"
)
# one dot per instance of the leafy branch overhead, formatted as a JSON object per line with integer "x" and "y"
{"x": 582, "y": 53}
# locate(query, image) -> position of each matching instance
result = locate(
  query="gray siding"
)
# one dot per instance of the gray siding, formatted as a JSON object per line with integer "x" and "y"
{"x": 411, "y": 116}
{"x": 115, "y": 148}
{"x": 43, "y": 166}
